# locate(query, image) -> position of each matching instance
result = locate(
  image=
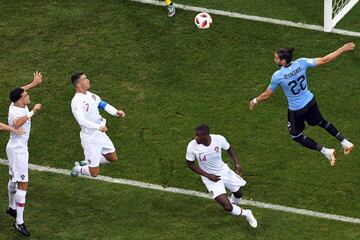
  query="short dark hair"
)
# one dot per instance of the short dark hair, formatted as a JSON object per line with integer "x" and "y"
{"x": 285, "y": 53}
{"x": 15, "y": 94}
{"x": 75, "y": 77}
{"x": 203, "y": 128}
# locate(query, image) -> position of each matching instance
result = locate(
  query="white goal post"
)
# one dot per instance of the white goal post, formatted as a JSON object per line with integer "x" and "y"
{"x": 335, "y": 10}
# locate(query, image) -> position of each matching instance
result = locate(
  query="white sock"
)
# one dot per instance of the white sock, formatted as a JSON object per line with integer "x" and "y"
{"x": 103, "y": 160}
{"x": 20, "y": 205}
{"x": 84, "y": 170}
{"x": 234, "y": 199}
{"x": 236, "y": 210}
{"x": 324, "y": 150}
{"x": 11, "y": 193}
{"x": 345, "y": 143}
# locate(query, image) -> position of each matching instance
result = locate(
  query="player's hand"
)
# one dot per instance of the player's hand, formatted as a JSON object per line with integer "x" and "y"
{"x": 17, "y": 131}
{"x": 348, "y": 47}
{"x": 251, "y": 105}
{"x": 103, "y": 129}
{"x": 120, "y": 113}
{"x": 213, "y": 177}
{"x": 36, "y": 107}
{"x": 37, "y": 78}
{"x": 238, "y": 169}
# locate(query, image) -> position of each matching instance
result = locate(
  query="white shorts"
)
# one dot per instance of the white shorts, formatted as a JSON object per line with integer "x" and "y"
{"x": 229, "y": 180}
{"x": 18, "y": 163}
{"x": 96, "y": 145}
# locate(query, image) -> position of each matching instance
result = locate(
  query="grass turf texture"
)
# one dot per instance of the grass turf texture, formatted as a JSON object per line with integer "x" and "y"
{"x": 168, "y": 77}
{"x": 85, "y": 209}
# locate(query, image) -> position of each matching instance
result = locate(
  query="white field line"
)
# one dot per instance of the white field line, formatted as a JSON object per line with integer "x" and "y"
{"x": 196, "y": 194}
{"x": 252, "y": 18}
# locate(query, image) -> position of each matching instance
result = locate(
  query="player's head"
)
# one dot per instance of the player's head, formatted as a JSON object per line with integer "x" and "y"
{"x": 80, "y": 81}
{"x": 20, "y": 96}
{"x": 283, "y": 56}
{"x": 202, "y": 134}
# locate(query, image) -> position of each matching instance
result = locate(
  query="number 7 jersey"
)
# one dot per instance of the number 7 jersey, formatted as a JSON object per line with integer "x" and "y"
{"x": 293, "y": 81}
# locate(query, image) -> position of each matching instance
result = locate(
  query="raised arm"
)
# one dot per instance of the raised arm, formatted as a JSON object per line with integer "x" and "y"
{"x": 262, "y": 97}
{"x": 328, "y": 58}
{"x": 36, "y": 81}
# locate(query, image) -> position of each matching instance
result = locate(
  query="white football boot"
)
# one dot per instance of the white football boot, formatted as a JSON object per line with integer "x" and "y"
{"x": 347, "y": 146}
{"x": 250, "y": 218}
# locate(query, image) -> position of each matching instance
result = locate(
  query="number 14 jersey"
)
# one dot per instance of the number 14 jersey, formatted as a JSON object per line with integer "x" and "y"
{"x": 209, "y": 157}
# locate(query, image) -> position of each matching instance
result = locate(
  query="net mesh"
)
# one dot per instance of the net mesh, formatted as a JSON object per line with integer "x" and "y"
{"x": 338, "y": 5}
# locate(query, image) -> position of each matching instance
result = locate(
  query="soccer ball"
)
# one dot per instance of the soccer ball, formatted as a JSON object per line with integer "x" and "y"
{"x": 203, "y": 20}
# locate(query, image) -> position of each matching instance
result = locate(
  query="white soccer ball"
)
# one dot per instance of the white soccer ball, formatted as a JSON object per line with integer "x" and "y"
{"x": 203, "y": 20}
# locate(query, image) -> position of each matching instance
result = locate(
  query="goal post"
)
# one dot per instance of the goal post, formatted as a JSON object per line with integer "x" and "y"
{"x": 335, "y": 10}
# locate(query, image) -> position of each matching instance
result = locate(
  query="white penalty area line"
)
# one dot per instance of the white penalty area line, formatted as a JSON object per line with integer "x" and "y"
{"x": 252, "y": 17}
{"x": 195, "y": 194}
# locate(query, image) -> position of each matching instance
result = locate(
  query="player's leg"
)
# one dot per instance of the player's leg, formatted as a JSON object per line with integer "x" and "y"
{"x": 170, "y": 8}
{"x": 315, "y": 118}
{"x": 108, "y": 152}
{"x": 20, "y": 169}
{"x": 11, "y": 210}
{"x": 296, "y": 127}
{"x": 235, "y": 210}
{"x": 92, "y": 152}
{"x": 218, "y": 192}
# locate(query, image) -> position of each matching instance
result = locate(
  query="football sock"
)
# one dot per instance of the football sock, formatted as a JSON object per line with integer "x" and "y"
{"x": 11, "y": 193}
{"x": 330, "y": 128}
{"x": 168, "y": 2}
{"x": 234, "y": 199}
{"x": 103, "y": 160}
{"x": 308, "y": 142}
{"x": 84, "y": 170}
{"x": 237, "y": 211}
{"x": 20, "y": 205}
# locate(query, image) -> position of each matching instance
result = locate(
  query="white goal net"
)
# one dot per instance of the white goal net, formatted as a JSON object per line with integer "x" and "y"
{"x": 335, "y": 10}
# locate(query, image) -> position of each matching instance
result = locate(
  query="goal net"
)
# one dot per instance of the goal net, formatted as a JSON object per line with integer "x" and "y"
{"x": 335, "y": 10}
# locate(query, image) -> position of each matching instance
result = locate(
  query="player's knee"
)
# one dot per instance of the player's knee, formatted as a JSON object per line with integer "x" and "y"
{"x": 94, "y": 172}
{"x": 324, "y": 123}
{"x": 298, "y": 138}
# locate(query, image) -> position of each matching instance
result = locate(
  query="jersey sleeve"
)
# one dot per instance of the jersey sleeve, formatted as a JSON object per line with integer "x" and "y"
{"x": 14, "y": 113}
{"x": 79, "y": 115}
{"x": 98, "y": 99}
{"x": 190, "y": 156}
{"x": 224, "y": 143}
{"x": 308, "y": 62}
{"x": 274, "y": 83}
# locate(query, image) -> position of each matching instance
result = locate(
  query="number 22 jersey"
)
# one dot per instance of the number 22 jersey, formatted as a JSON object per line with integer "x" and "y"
{"x": 293, "y": 81}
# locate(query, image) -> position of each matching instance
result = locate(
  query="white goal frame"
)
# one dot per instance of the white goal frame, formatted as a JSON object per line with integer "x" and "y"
{"x": 330, "y": 17}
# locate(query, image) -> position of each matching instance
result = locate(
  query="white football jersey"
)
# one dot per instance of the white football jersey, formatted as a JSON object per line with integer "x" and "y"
{"x": 208, "y": 157}
{"x": 85, "y": 110}
{"x": 18, "y": 112}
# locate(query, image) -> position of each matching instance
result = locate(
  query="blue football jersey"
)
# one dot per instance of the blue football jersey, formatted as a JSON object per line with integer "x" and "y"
{"x": 293, "y": 81}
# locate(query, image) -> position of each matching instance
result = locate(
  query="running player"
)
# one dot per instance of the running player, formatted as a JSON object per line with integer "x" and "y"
{"x": 215, "y": 174}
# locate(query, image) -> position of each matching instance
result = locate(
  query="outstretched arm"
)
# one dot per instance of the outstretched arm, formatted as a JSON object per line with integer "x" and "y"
{"x": 36, "y": 81}
{"x": 233, "y": 156}
{"x": 262, "y": 97}
{"x": 328, "y": 58}
{"x": 110, "y": 109}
